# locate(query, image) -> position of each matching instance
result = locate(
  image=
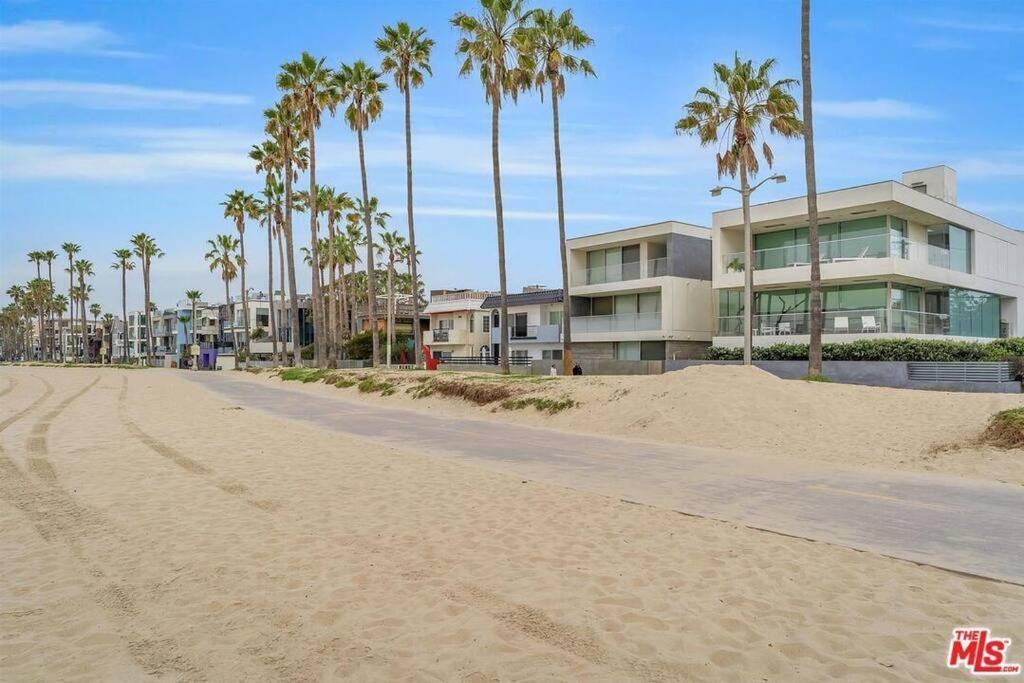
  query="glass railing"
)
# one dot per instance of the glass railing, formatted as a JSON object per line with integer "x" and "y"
{"x": 602, "y": 274}
{"x": 829, "y": 251}
{"x": 657, "y": 267}
{"x": 861, "y": 321}
{"x": 620, "y": 322}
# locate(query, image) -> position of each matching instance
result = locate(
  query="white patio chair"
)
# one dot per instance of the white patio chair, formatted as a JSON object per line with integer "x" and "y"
{"x": 841, "y": 325}
{"x": 767, "y": 330}
{"x": 869, "y": 324}
{"x": 863, "y": 254}
{"x": 785, "y": 328}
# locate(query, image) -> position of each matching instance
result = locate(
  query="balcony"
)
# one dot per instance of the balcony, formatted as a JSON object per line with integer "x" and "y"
{"x": 602, "y": 274}
{"x": 842, "y": 251}
{"x": 863, "y": 321}
{"x": 442, "y": 336}
{"x": 534, "y": 333}
{"x": 621, "y": 322}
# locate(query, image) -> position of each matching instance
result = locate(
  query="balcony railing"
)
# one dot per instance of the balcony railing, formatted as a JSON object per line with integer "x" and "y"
{"x": 602, "y": 274}
{"x": 540, "y": 333}
{"x": 863, "y": 321}
{"x": 621, "y": 322}
{"x": 441, "y": 336}
{"x": 657, "y": 267}
{"x": 841, "y": 251}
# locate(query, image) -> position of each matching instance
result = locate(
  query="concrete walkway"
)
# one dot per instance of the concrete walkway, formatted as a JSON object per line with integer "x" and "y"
{"x": 963, "y": 525}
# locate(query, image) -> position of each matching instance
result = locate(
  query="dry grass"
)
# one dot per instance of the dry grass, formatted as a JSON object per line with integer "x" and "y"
{"x": 1005, "y": 429}
{"x": 478, "y": 393}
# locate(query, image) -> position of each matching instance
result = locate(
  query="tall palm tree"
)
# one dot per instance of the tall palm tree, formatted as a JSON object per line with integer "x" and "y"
{"x": 38, "y": 295}
{"x": 552, "y": 37}
{"x": 222, "y": 256}
{"x": 267, "y": 156}
{"x": 50, "y": 256}
{"x": 354, "y": 235}
{"x": 285, "y": 126}
{"x": 37, "y": 258}
{"x": 263, "y": 212}
{"x": 814, "y": 351}
{"x": 95, "y": 310}
{"x": 407, "y": 55}
{"x": 193, "y": 296}
{"x": 145, "y": 248}
{"x": 496, "y": 44}
{"x": 239, "y": 206}
{"x": 361, "y": 87}
{"x": 71, "y": 249}
{"x": 310, "y": 88}
{"x": 743, "y": 101}
{"x": 123, "y": 262}
{"x": 83, "y": 269}
{"x": 335, "y": 205}
{"x": 393, "y": 246}
{"x": 108, "y": 333}
{"x": 17, "y": 296}
{"x": 60, "y": 307}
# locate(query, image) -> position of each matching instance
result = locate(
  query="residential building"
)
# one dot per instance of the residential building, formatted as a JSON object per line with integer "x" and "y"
{"x": 898, "y": 259}
{"x": 641, "y": 293}
{"x": 534, "y": 322}
{"x": 459, "y": 328}
{"x": 137, "y": 341}
{"x": 403, "y": 315}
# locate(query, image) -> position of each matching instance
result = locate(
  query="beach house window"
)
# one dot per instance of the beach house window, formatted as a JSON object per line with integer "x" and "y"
{"x": 554, "y": 317}
{"x": 487, "y": 323}
{"x": 472, "y": 322}
{"x": 262, "y": 317}
{"x": 949, "y": 246}
{"x": 551, "y": 354}
{"x": 627, "y": 350}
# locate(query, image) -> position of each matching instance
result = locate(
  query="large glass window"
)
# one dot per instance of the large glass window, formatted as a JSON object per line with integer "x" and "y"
{"x": 627, "y": 350}
{"x": 973, "y": 314}
{"x": 949, "y": 246}
{"x": 613, "y": 264}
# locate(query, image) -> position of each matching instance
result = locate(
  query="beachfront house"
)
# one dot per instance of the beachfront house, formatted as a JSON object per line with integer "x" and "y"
{"x": 898, "y": 259}
{"x": 459, "y": 328}
{"x": 534, "y": 323}
{"x": 641, "y": 293}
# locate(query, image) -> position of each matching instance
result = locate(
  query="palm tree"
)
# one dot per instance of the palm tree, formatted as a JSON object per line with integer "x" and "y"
{"x": 361, "y": 87}
{"x": 145, "y": 249}
{"x": 95, "y": 310}
{"x": 193, "y": 296}
{"x": 17, "y": 296}
{"x": 108, "y": 332}
{"x": 393, "y": 246}
{"x": 50, "y": 256}
{"x": 354, "y": 235}
{"x": 123, "y": 262}
{"x": 814, "y": 351}
{"x": 60, "y": 307}
{"x": 83, "y": 268}
{"x": 552, "y": 38}
{"x": 71, "y": 249}
{"x": 407, "y": 56}
{"x": 335, "y": 204}
{"x": 268, "y": 160}
{"x": 496, "y": 43}
{"x": 239, "y": 206}
{"x": 344, "y": 252}
{"x": 222, "y": 256}
{"x": 37, "y": 258}
{"x": 310, "y": 88}
{"x": 285, "y": 126}
{"x": 742, "y": 102}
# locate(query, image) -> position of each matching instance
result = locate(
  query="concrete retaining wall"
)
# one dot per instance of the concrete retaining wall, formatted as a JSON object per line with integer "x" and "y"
{"x": 869, "y": 373}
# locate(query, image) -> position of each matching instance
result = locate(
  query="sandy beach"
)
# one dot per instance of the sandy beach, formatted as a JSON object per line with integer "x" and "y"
{"x": 151, "y": 530}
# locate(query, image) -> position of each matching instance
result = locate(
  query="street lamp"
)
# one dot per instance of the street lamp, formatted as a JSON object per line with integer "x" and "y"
{"x": 748, "y": 256}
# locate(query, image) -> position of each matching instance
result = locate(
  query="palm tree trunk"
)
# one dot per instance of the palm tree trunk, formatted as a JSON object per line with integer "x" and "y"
{"x": 748, "y": 269}
{"x": 52, "y": 344}
{"x": 391, "y": 307}
{"x": 270, "y": 288}
{"x": 280, "y": 263}
{"x": 353, "y": 322}
{"x": 71, "y": 298}
{"x": 343, "y": 327}
{"x": 245, "y": 295}
{"x": 194, "y": 325}
{"x": 332, "y": 316}
{"x": 417, "y": 334}
{"x": 371, "y": 289}
{"x": 495, "y": 160}
{"x": 124, "y": 312}
{"x": 149, "y": 313}
{"x": 231, "y": 319}
{"x": 318, "y": 324}
{"x": 566, "y": 302}
{"x": 292, "y": 293}
{"x": 814, "y": 352}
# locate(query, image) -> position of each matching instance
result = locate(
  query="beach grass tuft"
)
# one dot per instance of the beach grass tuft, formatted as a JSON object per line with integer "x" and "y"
{"x": 547, "y": 405}
{"x": 1005, "y": 429}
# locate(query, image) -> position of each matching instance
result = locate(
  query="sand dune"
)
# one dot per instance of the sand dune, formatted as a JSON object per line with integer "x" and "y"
{"x": 750, "y": 410}
{"x": 150, "y": 530}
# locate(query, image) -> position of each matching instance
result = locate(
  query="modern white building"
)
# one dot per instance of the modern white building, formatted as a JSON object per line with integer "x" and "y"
{"x": 534, "y": 323}
{"x": 459, "y": 328}
{"x": 641, "y": 293}
{"x": 898, "y": 259}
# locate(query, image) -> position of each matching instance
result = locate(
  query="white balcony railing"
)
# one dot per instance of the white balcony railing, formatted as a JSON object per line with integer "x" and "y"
{"x": 602, "y": 274}
{"x": 840, "y": 251}
{"x": 620, "y": 322}
{"x": 862, "y": 321}
{"x": 657, "y": 267}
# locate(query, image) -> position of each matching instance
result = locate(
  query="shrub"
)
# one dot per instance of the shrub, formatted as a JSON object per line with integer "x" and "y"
{"x": 548, "y": 405}
{"x": 1005, "y": 429}
{"x": 360, "y": 346}
{"x": 942, "y": 350}
{"x": 371, "y": 384}
{"x": 478, "y": 393}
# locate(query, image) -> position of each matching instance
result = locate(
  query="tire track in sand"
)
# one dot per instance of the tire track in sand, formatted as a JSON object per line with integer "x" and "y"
{"x": 36, "y": 444}
{"x": 11, "y": 383}
{"x": 183, "y": 461}
{"x": 58, "y": 516}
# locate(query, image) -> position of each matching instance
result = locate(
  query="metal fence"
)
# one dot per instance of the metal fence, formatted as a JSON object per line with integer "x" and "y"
{"x": 960, "y": 372}
{"x": 483, "y": 360}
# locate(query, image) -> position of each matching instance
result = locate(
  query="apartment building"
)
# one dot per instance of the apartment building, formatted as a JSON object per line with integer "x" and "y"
{"x": 459, "y": 328}
{"x": 897, "y": 259}
{"x": 534, "y": 323}
{"x": 641, "y": 293}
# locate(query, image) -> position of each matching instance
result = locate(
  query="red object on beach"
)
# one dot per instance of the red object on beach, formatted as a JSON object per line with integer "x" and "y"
{"x": 428, "y": 360}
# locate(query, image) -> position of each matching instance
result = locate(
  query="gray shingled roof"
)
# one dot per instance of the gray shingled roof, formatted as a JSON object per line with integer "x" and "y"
{"x": 545, "y": 296}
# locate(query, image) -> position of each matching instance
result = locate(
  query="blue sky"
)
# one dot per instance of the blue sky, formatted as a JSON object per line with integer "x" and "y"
{"x": 117, "y": 117}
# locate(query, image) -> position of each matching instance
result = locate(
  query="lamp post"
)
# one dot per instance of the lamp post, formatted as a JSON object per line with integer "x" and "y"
{"x": 748, "y": 255}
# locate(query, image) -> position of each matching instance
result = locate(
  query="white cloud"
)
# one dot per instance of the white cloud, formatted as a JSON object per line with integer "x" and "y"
{"x": 108, "y": 95}
{"x": 873, "y": 109}
{"x": 61, "y": 36}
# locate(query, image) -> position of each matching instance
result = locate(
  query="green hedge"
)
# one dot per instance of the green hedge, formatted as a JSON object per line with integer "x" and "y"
{"x": 941, "y": 350}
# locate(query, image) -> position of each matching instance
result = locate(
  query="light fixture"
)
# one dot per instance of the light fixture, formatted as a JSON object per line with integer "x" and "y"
{"x": 779, "y": 179}
{"x": 716, "y": 191}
